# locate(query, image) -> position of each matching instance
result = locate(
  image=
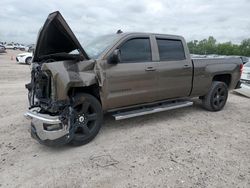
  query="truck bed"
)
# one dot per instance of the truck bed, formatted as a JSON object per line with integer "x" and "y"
{"x": 205, "y": 69}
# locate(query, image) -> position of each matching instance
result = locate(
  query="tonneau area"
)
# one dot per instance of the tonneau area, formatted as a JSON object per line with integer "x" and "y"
{"x": 205, "y": 69}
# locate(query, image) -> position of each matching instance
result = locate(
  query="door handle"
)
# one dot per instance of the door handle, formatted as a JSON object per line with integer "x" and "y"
{"x": 186, "y": 67}
{"x": 150, "y": 69}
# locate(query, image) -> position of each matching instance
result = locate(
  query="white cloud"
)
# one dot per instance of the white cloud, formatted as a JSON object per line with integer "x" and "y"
{"x": 194, "y": 19}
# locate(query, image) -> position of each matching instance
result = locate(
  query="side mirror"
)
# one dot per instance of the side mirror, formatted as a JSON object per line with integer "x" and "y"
{"x": 115, "y": 57}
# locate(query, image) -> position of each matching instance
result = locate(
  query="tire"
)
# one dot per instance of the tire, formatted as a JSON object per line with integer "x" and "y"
{"x": 14, "y": 48}
{"x": 216, "y": 98}
{"x": 87, "y": 118}
{"x": 28, "y": 60}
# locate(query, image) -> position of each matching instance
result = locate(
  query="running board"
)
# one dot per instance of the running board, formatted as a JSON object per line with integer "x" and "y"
{"x": 152, "y": 109}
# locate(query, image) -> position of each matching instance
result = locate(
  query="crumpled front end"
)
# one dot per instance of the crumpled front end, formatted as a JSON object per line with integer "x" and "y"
{"x": 48, "y": 115}
{"x": 50, "y": 105}
{"x": 59, "y": 64}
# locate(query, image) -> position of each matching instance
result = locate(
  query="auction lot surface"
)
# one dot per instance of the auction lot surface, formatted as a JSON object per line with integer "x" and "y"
{"x": 182, "y": 148}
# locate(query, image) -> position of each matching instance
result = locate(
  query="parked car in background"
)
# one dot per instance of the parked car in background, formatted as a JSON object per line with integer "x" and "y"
{"x": 10, "y": 46}
{"x": 245, "y": 77}
{"x": 2, "y": 46}
{"x": 245, "y": 59}
{"x": 24, "y": 58}
{"x": 21, "y": 47}
{"x": 30, "y": 48}
{"x": 2, "y": 49}
{"x": 245, "y": 81}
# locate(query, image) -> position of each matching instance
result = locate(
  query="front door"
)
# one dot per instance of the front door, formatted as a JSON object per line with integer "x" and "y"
{"x": 133, "y": 80}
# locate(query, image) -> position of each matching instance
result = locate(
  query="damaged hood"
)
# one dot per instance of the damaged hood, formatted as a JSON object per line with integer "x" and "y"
{"x": 56, "y": 37}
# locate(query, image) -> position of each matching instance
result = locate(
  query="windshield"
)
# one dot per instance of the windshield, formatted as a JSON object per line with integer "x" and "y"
{"x": 99, "y": 44}
{"x": 247, "y": 64}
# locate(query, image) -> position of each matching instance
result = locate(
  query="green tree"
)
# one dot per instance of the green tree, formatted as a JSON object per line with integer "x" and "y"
{"x": 210, "y": 46}
{"x": 245, "y": 47}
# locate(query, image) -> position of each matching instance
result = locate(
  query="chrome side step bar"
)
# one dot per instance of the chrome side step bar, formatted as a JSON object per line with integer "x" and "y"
{"x": 151, "y": 110}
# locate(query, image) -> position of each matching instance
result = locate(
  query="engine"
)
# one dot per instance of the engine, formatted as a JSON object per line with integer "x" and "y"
{"x": 39, "y": 87}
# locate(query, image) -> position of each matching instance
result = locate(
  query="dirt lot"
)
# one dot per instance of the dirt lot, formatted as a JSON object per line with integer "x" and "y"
{"x": 182, "y": 148}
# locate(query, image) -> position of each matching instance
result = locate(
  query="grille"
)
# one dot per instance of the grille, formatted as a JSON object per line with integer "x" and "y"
{"x": 42, "y": 86}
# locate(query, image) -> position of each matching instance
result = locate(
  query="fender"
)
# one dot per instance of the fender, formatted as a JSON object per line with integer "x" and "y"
{"x": 67, "y": 74}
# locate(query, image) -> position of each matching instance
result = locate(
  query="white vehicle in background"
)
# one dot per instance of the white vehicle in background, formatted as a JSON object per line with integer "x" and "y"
{"x": 245, "y": 77}
{"x": 21, "y": 47}
{"x": 30, "y": 48}
{"x": 10, "y": 46}
{"x": 245, "y": 80}
{"x": 24, "y": 58}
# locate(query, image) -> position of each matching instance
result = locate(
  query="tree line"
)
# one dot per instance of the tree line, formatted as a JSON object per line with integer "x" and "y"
{"x": 210, "y": 46}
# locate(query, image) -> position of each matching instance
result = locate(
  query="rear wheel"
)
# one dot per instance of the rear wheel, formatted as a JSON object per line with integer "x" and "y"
{"x": 216, "y": 98}
{"x": 87, "y": 118}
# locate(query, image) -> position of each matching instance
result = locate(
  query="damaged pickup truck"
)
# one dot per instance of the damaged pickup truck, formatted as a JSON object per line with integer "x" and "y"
{"x": 125, "y": 74}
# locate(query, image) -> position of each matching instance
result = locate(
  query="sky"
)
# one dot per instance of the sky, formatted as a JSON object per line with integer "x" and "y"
{"x": 226, "y": 20}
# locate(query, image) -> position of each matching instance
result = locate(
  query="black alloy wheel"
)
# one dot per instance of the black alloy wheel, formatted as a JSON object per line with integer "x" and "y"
{"x": 216, "y": 98}
{"x": 87, "y": 118}
{"x": 219, "y": 97}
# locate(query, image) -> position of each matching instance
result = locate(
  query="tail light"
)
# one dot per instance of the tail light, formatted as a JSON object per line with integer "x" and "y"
{"x": 241, "y": 69}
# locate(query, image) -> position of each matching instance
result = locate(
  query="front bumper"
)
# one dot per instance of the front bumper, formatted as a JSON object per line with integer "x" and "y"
{"x": 20, "y": 59}
{"x": 40, "y": 125}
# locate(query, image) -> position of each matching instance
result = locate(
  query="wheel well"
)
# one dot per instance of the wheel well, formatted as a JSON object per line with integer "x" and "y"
{"x": 27, "y": 58}
{"x": 92, "y": 90}
{"x": 226, "y": 78}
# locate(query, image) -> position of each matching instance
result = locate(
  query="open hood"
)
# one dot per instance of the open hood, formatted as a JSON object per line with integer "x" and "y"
{"x": 56, "y": 37}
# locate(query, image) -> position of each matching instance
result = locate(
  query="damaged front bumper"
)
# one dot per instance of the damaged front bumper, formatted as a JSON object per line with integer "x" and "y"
{"x": 47, "y": 129}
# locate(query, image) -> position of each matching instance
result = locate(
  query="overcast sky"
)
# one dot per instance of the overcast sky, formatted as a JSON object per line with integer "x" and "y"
{"x": 194, "y": 19}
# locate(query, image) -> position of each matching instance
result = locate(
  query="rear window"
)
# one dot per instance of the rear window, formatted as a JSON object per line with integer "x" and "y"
{"x": 170, "y": 50}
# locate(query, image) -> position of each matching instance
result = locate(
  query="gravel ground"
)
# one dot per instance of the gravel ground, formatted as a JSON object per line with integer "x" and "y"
{"x": 188, "y": 147}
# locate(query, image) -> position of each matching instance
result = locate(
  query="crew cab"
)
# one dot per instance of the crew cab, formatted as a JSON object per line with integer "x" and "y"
{"x": 125, "y": 74}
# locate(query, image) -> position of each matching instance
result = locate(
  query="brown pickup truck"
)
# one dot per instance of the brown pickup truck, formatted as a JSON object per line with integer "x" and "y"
{"x": 125, "y": 74}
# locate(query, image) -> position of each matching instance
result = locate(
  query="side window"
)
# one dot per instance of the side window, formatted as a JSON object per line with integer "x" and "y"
{"x": 170, "y": 50}
{"x": 136, "y": 50}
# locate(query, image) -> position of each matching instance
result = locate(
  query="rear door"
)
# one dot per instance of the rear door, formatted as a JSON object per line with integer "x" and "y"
{"x": 175, "y": 68}
{"x": 133, "y": 80}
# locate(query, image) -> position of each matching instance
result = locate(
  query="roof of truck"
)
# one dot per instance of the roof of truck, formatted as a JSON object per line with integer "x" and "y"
{"x": 146, "y": 33}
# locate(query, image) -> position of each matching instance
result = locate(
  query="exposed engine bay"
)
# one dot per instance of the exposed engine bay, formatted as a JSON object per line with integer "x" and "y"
{"x": 40, "y": 89}
{"x": 41, "y": 99}
{"x": 51, "y": 108}
{"x": 60, "y": 69}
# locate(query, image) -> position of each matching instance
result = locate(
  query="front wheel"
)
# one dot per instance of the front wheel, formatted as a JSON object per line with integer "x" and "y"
{"x": 87, "y": 118}
{"x": 28, "y": 60}
{"x": 216, "y": 98}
